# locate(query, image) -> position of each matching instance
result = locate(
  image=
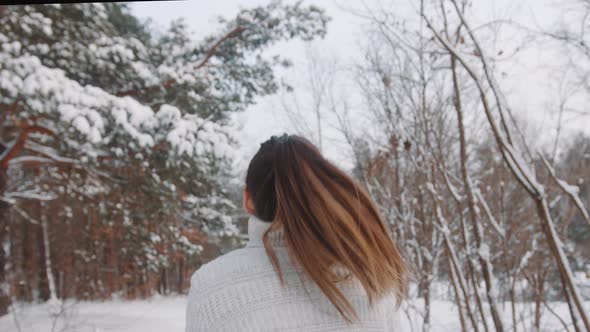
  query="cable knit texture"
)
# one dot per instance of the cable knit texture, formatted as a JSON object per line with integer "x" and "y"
{"x": 241, "y": 291}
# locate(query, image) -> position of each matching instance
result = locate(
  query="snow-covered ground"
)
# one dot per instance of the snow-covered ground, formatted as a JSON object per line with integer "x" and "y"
{"x": 167, "y": 314}
{"x": 154, "y": 315}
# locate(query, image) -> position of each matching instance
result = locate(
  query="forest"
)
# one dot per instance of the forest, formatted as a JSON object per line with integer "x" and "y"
{"x": 118, "y": 148}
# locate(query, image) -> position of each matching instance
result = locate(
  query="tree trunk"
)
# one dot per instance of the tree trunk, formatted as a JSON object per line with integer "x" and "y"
{"x": 477, "y": 231}
{"x": 426, "y": 296}
{"x": 457, "y": 296}
{"x": 455, "y": 264}
{"x": 540, "y": 285}
{"x": 570, "y": 307}
{"x": 4, "y": 238}
{"x": 513, "y": 304}
{"x": 4, "y": 294}
{"x": 47, "y": 249}
{"x": 41, "y": 293}
{"x": 559, "y": 254}
{"x": 180, "y": 284}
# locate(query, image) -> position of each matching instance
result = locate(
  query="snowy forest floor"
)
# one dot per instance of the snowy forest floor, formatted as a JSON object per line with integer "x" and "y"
{"x": 167, "y": 314}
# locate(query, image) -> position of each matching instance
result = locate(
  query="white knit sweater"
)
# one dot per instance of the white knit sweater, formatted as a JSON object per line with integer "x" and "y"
{"x": 240, "y": 291}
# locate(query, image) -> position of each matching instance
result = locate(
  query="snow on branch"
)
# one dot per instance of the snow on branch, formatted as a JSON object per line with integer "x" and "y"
{"x": 30, "y": 195}
{"x": 91, "y": 117}
{"x": 499, "y": 229}
{"x": 523, "y": 174}
{"x": 521, "y": 171}
{"x": 454, "y": 193}
{"x": 570, "y": 190}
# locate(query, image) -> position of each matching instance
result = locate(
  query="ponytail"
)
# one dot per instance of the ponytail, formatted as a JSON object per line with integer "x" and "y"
{"x": 327, "y": 220}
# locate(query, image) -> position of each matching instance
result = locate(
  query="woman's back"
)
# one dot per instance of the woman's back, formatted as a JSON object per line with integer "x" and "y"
{"x": 241, "y": 291}
{"x": 320, "y": 257}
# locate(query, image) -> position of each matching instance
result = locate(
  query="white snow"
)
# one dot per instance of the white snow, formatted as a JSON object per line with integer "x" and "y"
{"x": 97, "y": 114}
{"x": 156, "y": 314}
{"x": 168, "y": 314}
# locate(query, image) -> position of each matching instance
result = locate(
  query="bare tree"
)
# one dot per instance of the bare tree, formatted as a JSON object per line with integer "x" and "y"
{"x": 520, "y": 169}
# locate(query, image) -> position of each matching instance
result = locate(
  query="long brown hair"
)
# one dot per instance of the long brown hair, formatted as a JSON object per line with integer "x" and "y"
{"x": 327, "y": 219}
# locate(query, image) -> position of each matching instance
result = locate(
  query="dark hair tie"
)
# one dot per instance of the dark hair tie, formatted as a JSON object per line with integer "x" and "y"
{"x": 279, "y": 139}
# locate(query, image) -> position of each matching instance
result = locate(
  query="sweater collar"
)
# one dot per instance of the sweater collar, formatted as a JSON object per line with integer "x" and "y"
{"x": 256, "y": 229}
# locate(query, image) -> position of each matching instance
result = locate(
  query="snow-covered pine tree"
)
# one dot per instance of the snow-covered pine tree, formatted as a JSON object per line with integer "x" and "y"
{"x": 120, "y": 141}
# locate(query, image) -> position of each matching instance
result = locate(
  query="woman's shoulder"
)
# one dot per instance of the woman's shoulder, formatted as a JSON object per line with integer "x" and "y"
{"x": 212, "y": 280}
{"x": 229, "y": 268}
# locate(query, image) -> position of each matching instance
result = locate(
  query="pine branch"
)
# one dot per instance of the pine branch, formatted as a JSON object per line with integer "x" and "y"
{"x": 167, "y": 84}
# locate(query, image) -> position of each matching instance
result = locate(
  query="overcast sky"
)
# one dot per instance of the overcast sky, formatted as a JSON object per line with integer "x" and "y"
{"x": 527, "y": 84}
{"x": 267, "y": 118}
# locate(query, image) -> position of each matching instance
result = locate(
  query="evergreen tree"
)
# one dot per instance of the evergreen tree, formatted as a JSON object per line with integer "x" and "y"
{"x": 119, "y": 142}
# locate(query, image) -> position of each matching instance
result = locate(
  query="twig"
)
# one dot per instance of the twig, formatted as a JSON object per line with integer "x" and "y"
{"x": 15, "y": 319}
{"x": 556, "y": 315}
{"x": 20, "y": 141}
{"x": 25, "y": 215}
{"x": 234, "y": 33}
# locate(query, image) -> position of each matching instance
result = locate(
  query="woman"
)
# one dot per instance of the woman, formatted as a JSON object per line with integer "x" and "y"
{"x": 319, "y": 256}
